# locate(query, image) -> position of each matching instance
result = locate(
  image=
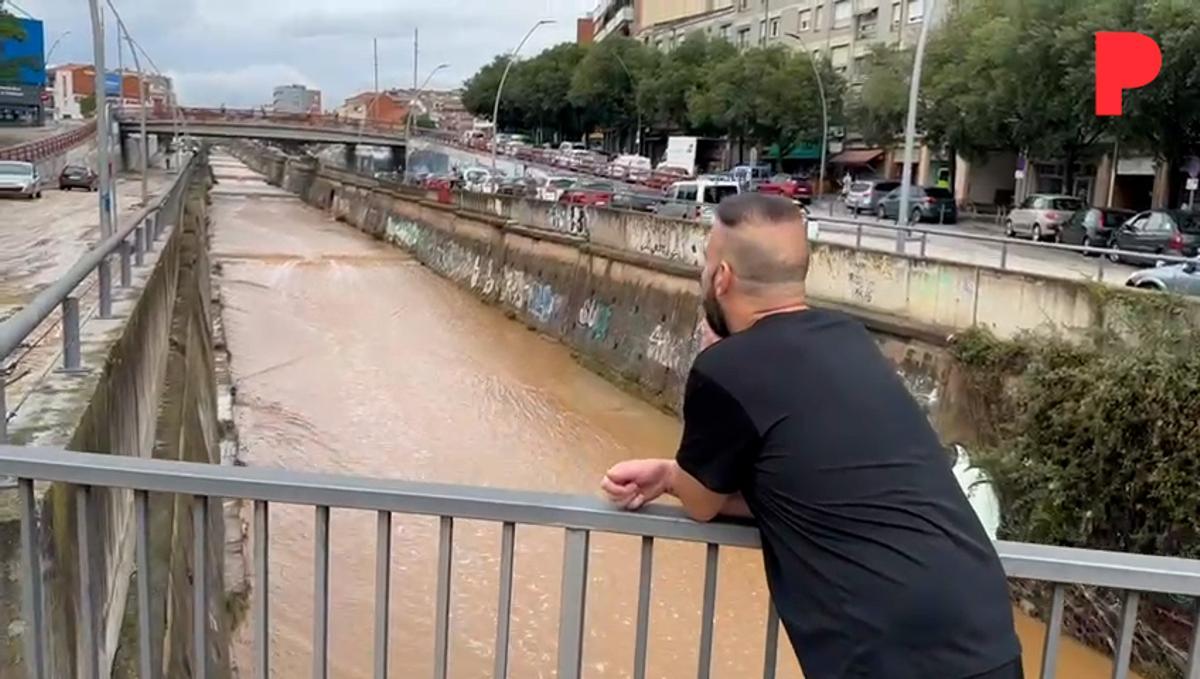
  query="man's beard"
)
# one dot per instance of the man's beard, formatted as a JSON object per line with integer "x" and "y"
{"x": 714, "y": 315}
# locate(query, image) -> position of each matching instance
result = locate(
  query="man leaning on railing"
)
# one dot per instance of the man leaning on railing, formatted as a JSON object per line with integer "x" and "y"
{"x": 876, "y": 562}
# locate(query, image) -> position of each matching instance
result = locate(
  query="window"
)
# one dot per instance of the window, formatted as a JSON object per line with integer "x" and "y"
{"x": 805, "y": 20}
{"x": 762, "y": 30}
{"x": 817, "y": 19}
{"x": 725, "y": 32}
{"x": 744, "y": 4}
{"x": 860, "y": 66}
{"x": 839, "y": 58}
{"x": 715, "y": 194}
{"x": 866, "y": 30}
{"x": 1028, "y": 203}
{"x": 774, "y": 28}
{"x": 1041, "y": 203}
{"x": 895, "y": 15}
{"x": 1066, "y": 204}
{"x": 743, "y": 38}
{"x": 1138, "y": 223}
{"x": 916, "y": 11}
{"x": 1159, "y": 223}
{"x": 686, "y": 192}
{"x": 841, "y": 13}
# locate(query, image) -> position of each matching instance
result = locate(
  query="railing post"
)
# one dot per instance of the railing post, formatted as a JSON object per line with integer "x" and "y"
{"x": 924, "y": 241}
{"x": 126, "y": 264}
{"x": 572, "y": 604}
{"x": 1004, "y": 255}
{"x": 70, "y": 325}
{"x": 148, "y": 234}
{"x": 3, "y": 408}
{"x": 858, "y": 236}
{"x": 139, "y": 245}
{"x": 104, "y": 274}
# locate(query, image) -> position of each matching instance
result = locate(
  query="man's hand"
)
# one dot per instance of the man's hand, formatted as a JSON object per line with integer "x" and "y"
{"x": 633, "y": 483}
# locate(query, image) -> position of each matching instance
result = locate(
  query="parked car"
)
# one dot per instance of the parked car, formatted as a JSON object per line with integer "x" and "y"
{"x": 480, "y": 179}
{"x": 552, "y": 188}
{"x": 629, "y": 167}
{"x": 1182, "y": 279}
{"x": 20, "y": 179}
{"x": 637, "y": 201}
{"x": 1092, "y": 227}
{"x": 794, "y": 187}
{"x": 1157, "y": 232}
{"x": 666, "y": 175}
{"x": 78, "y": 177}
{"x": 520, "y": 187}
{"x": 750, "y": 175}
{"x": 1041, "y": 216}
{"x": 697, "y": 199}
{"x": 926, "y": 204}
{"x": 864, "y": 195}
{"x": 593, "y": 193}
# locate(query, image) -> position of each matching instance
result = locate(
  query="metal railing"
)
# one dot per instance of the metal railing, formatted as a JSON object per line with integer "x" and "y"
{"x": 1133, "y": 574}
{"x": 130, "y": 242}
{"x": 33, "y": 151}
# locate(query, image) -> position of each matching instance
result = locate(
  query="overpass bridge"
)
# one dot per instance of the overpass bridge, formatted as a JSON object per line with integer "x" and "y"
{"x": 371, "y": 505}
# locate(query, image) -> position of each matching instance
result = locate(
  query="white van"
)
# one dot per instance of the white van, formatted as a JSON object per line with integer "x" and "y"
{"x": 697, "y": 199}
{"x": 630, "y": 168}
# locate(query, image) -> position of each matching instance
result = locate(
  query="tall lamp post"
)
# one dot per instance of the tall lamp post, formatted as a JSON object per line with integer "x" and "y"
{"x": 54, "y": 45}
{"x": 910, "y": 128}
{"x": 512, "y": 57}
{"x": 408, "y": 119}
{"x": 824, "y": 110}
{"x": 633, "y": 82}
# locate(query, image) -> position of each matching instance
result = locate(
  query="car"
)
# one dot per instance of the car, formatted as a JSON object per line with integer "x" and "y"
{"x": 750, "y": 175}
{"x": 797, "y": 188}
{"x": 1092, "y": 227}
{"x": 1041, "y": 216}
{"x": 1156, "y": 232}
{"x": 638, "y": 201}
{"x": 629, "y": 167}
{"x": 697, "y": 199}
{"x": 591, "y": 193}
{"x": 552, "y": 188}
{"x": 864, "y": 194}
{"x": 78, "y": 177}
{"x": 926, "y": 204}
{"x": 665, "y": 175}
{"x": 20, "y": 179}
{"x": 520, "y": 187}
{"x": 1183, "y": 279}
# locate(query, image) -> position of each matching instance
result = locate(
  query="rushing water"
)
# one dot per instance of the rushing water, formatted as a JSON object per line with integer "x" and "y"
{"x": 350, "y": 357}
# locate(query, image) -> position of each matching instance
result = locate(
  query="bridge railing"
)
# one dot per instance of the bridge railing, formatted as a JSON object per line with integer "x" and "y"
{"x": 579, "y": 517}
{"x": 131, "y": 241}
{"x": 33, "y": 151}
{"x": 261, "y": 115}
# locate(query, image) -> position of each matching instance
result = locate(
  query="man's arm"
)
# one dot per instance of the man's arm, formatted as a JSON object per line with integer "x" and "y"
{"x": 700, "y": 503}
{"x": 633, "y": 483}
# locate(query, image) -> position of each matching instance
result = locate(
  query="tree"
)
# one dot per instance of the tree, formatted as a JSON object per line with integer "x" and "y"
{"x": 682, "y": 73}
{"x": 87, "y": 106}
{"x": 878, "y": 110}
{"x": 604, "y": 84}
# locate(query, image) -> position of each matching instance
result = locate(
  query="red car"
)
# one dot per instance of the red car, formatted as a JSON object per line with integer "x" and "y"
{"x": 597, "y": 194}
{"x": 666, "y": 175}
{"x": 794, "y": 187}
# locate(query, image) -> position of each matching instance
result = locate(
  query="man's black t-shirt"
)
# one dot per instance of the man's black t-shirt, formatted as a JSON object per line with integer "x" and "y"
{"x": 876, "y": 562}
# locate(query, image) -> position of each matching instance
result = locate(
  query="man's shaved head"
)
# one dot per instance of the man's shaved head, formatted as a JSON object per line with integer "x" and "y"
{"x": 764, "y": 239}
{"x": 757, "y": 261}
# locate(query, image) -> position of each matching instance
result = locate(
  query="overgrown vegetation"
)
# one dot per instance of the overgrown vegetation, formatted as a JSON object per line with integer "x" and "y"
{"x": 1094, "y": 443}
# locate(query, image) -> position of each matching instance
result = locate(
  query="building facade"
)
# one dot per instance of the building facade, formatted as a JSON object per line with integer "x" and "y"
{"x": 296, "y": 99}
{"x": 616, "y": 18}
{"x": 72, "y": 84}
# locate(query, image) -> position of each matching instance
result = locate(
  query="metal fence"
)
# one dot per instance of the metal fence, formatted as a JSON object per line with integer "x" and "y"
{"x": 33, "y": 151}
{"x": 579, "y": 517}
{"x": 130, "y": 242}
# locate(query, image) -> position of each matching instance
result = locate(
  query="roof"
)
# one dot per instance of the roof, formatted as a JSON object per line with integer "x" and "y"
{"x": 856, "y": 157}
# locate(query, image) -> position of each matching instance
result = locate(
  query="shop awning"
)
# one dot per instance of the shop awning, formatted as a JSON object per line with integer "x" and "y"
{"x": 856, "y": 157}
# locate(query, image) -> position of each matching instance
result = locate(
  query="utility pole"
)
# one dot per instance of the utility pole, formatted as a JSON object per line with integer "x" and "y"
{"x": 766, "y": 20}
{"x": 145, "y": 139}
{"x": 102, "y": 125}
{"x": 416, "y": 55}
{"x": 375, "y": 49}
{"x": 910, "y": 130}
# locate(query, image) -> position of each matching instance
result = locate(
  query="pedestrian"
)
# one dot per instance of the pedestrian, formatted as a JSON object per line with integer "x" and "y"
{"x": 876, "y": 562}
{"x": 847, "y": 180}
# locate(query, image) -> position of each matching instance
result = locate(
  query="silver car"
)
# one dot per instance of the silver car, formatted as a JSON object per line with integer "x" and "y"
{"x": 1181, "y": 279}
{"x": 19, "y": 179}
{"x": 864, "y": 195}
{"x": 1041, "y": 216}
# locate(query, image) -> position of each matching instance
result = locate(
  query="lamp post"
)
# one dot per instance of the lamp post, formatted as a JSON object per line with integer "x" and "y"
{"x": 54, "y": 45}
{"x": 633, "y": 82}
{"x": 408, "y": 120}
{"x": 500, "y": 90}
{"x": 910, "y": 129}
{"x": 102, "y": 124}
{"x": 824, "y": 110}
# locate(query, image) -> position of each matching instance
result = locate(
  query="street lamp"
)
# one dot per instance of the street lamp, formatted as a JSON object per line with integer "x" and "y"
{"x": 633, "y": 82}
{"x": 910, "y": 129}
{"x": 408, "y": 126}
{"x": 54, "y": 45}
{"x": 499, "y": 90}
{"x": 824, "y": 111}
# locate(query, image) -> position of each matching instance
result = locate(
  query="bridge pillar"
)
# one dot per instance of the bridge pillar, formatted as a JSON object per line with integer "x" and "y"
{"x": 351, "y": 158}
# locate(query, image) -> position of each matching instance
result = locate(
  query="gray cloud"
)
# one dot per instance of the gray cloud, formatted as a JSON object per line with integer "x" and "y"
{"x": 233, "y": 52}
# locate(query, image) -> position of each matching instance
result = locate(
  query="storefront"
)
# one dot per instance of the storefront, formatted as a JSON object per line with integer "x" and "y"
{"x": 21, "y": 105}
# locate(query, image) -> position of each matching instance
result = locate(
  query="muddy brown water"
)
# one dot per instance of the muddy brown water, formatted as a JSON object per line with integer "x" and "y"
{"x": 350, "y": 357}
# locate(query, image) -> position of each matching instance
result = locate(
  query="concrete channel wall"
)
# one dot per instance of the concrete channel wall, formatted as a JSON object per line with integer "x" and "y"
{"x": 148, "y": 389}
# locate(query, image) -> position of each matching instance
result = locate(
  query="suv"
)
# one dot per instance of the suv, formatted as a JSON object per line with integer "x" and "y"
{"x": 864, "y": 195}
{"x": 1041, "y": 216}
{"x": 697, "y": 199}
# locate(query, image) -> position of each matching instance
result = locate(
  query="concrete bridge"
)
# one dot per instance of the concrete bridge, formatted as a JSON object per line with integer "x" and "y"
{"x": 395, "y": 426}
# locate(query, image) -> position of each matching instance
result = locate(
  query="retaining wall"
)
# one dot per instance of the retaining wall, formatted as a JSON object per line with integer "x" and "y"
{"x": 148, "y": 390}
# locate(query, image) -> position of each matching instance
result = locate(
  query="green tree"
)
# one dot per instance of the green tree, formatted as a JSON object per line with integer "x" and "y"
{"x": 680, "y": 74}
{"x": 87, "y": 106}
{"x": 878, "y": 110}
{"x": 604, "y": 85}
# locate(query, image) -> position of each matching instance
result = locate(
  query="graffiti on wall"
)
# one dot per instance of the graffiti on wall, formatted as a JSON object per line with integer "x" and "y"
{"x": 572, "y": 219}
{"x": 677, "y": 242}
{"x": 402, "y": 232}
{"x": 525, "y": 293}
{"x": 595, "y": 316}
{"x": 670, "y": 350}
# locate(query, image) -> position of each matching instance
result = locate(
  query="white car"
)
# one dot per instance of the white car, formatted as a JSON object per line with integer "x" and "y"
{"x": 18, "y": 178}
{"x": 553, "y": 188}
{"x": 631, "y": 168}
{"x": 697, "y": 199}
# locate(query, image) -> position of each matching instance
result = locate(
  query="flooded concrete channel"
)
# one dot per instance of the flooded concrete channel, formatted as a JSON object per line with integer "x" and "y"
{"x": 350, "y": 357}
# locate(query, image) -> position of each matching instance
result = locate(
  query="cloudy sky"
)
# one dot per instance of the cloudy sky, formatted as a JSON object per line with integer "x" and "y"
{"x": 233, "y": 52}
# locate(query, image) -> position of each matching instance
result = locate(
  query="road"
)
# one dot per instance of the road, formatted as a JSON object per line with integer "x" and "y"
{"x": 39, "y": 241}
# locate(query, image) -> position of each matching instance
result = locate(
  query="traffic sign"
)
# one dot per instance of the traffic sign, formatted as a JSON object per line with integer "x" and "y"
{"x": 1193, "y": 167}
{"x": 1192, "y": 184}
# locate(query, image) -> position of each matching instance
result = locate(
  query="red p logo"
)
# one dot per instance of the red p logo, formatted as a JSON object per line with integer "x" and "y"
{"x": 1124, "y": 61}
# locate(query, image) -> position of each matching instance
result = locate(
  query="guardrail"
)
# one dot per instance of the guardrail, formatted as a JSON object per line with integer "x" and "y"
{"x": 131, "y": 242}
{"x": 33, "y": 151}
{"x": 579, "y": 517}
{"x": 261, "y": 115}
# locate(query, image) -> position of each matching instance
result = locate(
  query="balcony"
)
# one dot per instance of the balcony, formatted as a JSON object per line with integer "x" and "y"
{"x": 616, "y": 23}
